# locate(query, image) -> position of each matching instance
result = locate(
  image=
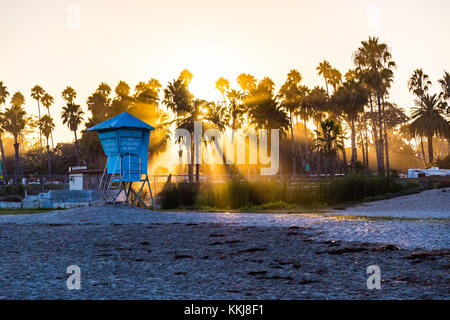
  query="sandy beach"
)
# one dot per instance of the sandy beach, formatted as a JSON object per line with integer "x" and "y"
{"x": 128, "y": 253}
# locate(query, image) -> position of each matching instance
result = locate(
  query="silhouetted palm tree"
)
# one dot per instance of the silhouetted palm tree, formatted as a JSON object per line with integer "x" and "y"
{"x": 373, "y": 60}
{"x": 14, "y": 123}
{"x": 351, "y": 98}
{"x": 328, "y": 141}
{"x": 47, "y": 126}
{"x": 247, "y": 82}
{"x": 47, "y": 100}
{"x": 428, "y": 120}
{"x": 292, "y": 95}
{"x": 324, "y": 69}
{"x": 37, "y": 93}
{"x": 72, "y": 115}
{"x": 69, "y": 94}
{"x": 3, "y": 96}
{"x": 222, "y": 85}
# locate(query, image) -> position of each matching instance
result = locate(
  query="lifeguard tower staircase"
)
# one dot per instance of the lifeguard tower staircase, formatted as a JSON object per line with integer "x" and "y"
{"x": 125, "y": 140}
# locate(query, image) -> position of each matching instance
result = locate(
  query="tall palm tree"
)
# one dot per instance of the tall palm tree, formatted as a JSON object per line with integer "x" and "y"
{"x": 373, "y": 59}
{"x": 37, "y": 93}
{"x": 69, "y": 94}
{"x": 335, "y": 78}
{"x": 3, "y": 96}
{"x": 47, "y": 100}
{"x": 445, "y": 85}
{"x": 72, "y": 115}
{"x": 247, "y": 82}
{"x": 428, "y": 119}
{"x": 418, "y": 84}
{"x": 351, "y": 98}
{"x": 236, "y": 109}
{"x": 292, "y": 95}
{"x": 324, "y": 69}
{"x": 196, "y": 112}
{"x": 14, "y": 123}
{"x": 47, "y": 126}
{"x": 222, "y": 85}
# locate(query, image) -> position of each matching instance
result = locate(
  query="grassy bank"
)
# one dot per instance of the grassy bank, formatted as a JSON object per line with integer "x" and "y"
{"x": 23, "y": 211}
{"x": 273, "y": 196}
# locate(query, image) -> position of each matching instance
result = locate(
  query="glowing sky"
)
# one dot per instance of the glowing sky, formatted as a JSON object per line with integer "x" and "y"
{"x": 135, "y": 40}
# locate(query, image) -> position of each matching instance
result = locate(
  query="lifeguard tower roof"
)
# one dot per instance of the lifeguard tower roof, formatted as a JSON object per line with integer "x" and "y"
{"x": 123, "y": 120}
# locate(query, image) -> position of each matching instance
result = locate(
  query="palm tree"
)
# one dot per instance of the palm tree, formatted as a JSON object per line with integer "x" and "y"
{"x": 47, "y": 126}
{"x": 14, "y": 123}
{"x": 37, "y": 93}
{"x": 247, "y": 82}
{"x": 222, "y": 85}
{"x": 419, "y": 84}
{"x": 196, "y": 112}
{"x": 351, "y": 98}
{"x": 72, "y": 115}
{"x": 428, "y": 119}
{"x": 445, "y": 85}
{"x": 186, "y": 77}
{"x": 69, "y": 94}
{"x": 292, "y": 97}
{"x": 373, "y": 60}
{"x": 3, "y": 95}
{"x": 324, "y": 69}
{"x": 47, "y": 100}
{"x": 335, "y": 78}
{"x": 328, "y": 141}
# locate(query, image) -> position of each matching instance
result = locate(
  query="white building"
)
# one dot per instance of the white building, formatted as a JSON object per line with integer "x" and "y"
{"x": 433, "y": 171}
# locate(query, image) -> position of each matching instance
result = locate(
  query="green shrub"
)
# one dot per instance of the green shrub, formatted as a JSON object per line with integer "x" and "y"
{"x": 174, "y": 195}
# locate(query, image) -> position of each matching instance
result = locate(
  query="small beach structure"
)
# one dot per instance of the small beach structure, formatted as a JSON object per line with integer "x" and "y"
{"x": 125, "y": 140}
{"x": 433, "y": 171}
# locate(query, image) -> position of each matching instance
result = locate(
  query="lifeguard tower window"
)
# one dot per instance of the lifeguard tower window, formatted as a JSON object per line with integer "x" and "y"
{"x": 125, "y": 140}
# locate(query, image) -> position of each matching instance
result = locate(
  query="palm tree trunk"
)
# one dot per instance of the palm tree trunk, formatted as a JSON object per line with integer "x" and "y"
{"x": 40, "y": 134}
{"x": 16, "y": 159}
{"x": 386, "y": 145}
{"x": 430, "y": 149}
{"x": 367, "y": 150}
{"x": 363, "y": 151}
{"x": 344, "y": 157}
{"x": 77, "y": 148}
{"x": 51, "y": 135}
{"x": 353, "y": 138}
{"x": 49, "y": 162}
{"x": 423, "y": 151}
{"x": 4, "y": 169}
{"x": 380, "y": 143}
{"x": 375, "y": 131}
{"x": 191, "y": 165}
{"x": 294, "y": 160}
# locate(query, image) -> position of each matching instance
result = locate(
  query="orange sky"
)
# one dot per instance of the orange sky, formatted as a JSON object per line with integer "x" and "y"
{"x": 136, "y": 40}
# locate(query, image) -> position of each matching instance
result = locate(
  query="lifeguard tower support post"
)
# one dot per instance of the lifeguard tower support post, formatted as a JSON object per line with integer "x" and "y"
{"x": 125, "y": 140}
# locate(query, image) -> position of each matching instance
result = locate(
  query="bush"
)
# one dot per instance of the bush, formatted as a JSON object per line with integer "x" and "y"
{"x": 174, "y": 195}
{"x": 12, "y": 189}
{"x": 356, "y": 187}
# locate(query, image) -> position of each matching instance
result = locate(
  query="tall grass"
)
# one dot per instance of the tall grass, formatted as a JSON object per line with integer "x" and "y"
{"x": 238, "y": 194}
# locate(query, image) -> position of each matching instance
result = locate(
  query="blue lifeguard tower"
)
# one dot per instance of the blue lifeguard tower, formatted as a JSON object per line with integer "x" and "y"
{"x": 125, "y": 140}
